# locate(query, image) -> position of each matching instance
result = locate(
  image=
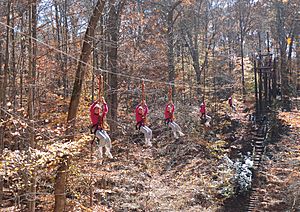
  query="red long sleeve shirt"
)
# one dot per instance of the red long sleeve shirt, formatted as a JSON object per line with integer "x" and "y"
{"x": 94, "y": 117}
{"x": 169, "y": 113}
{"x": 203, "y": 108}
{"x": 141, "y": 117}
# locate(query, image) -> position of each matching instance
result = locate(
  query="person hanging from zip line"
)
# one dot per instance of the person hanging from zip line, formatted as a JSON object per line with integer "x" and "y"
{"x": 141, "y": 112}
{"x": 231, "y": 105}
{"x": 202, "y": 110}
{"x": 203, "y": 115}
{"x": 169, "y": 117}
{"x": 98, "y": 111}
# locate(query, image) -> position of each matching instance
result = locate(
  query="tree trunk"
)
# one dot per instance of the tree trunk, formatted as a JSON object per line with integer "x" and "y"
{"x": 298, "y": 65}
{"x": 242, "y": 56}
{"x": 283, "y": 60}
{"x": 13, "y": 60}
{"x": 3, "y": 91}
{"x": 60, "y": 184}
{"x": 112, "y": 66}
{"x": 113, "y": 30}
{"x": 7, "y": 58}
{"x": 31, "y": 98}
{"x": 2, "y": 102}
{"x": 65, "y": 49}
{"x": 60, "y": 180}
{"x": 170, "y": 48}
{"x": 170, "y": 43}
{"x": 80, "y": 72}
{"x": 192, "y": 41}
{"x": 289, "y": 60}
{"x": 59, "y": 56}
{"x": 22, "y": 62}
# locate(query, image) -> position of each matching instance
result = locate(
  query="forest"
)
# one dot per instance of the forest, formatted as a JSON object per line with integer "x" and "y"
{"x": 150, "y": 105}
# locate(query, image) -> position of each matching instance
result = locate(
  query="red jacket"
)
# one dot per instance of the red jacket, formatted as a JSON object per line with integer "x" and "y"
{"x": 140, "y": 118}
{"x": 169, "y": 114}
{"x": 230, "y": 101}
{"x": 94, "y": 117}
{"x": 203, "y": 108}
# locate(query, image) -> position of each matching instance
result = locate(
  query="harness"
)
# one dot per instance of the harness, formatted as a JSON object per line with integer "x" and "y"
{"x": 139, "y": 124}
{"x": 95, "y": 127}
{"x": 168, "y": 120}
{"x": 203, "y": 118}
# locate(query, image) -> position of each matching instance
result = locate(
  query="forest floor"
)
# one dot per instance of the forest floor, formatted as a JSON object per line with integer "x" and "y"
{"x": 187, "y": 174}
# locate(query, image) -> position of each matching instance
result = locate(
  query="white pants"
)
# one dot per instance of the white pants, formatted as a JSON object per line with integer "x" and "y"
{"x": 175, "y": 128}
{"x": 207, "y": 120}
{"x": 147, "y": 132}
{"x": 104, "y": 141}
{"x": 233, "y": 108}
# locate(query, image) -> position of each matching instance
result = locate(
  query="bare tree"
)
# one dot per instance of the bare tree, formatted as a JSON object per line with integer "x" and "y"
{"x": 115, "y": 10}
{"x": 32, "y": 50}
{"x": 169, "y": 16}
{"x": 244, "y": 19}
{"x": 280, "y": 20}
{"x": 61, "y": 177}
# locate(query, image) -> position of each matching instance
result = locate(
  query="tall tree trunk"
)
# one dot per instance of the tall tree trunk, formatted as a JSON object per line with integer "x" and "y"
{"x": 170, "y": 43}
{"x": 170, "y": 48}
{"x": 3, "y": 91}
{"x": 61, "y": 177}
{"x": 113, "y": 30}
{"x": 2, "y": 102}
{"x": 31, "y": 98}
{"x": 289, "y": 59}
{"x": 22, "y": 63}
{"x": 13, "y": 60}
{"x": 66, "y": 38}
{"x": 84, "y": 57}
{"x": 59, "y": 56}
{"x": 298, "y": 65}
{"x": 283, "y": 59}
{"x": 191, "y": 40}
{"x": 112, "y": 52}
{"x": 242, "y": 53}
{"x": 7, "y": 58}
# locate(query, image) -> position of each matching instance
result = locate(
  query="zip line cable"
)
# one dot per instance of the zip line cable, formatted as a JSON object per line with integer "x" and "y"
{"x": 139, "y": 79}
{"x": 78, "y": 60}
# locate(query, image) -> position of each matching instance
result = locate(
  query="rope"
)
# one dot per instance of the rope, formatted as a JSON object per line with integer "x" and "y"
{"x": 138, "y": 79}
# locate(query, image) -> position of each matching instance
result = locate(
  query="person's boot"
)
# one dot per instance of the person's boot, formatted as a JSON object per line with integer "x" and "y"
{"x": 181, "y": 134}
{"x": 108, "y": 154}
{"x": 175, "y": 135}
{"x": 148, "y": 142}
{"x": 100, "y": 153}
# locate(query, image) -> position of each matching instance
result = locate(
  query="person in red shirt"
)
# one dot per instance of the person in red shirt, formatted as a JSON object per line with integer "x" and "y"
{"x": 98, "y": 111}
{"x": 230, "y": 103}
{"x": 141, "y": 112}
{"x": 202, "y": 110}
{"x": 203, "y": 116}
{"x": 169, "y": 119}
